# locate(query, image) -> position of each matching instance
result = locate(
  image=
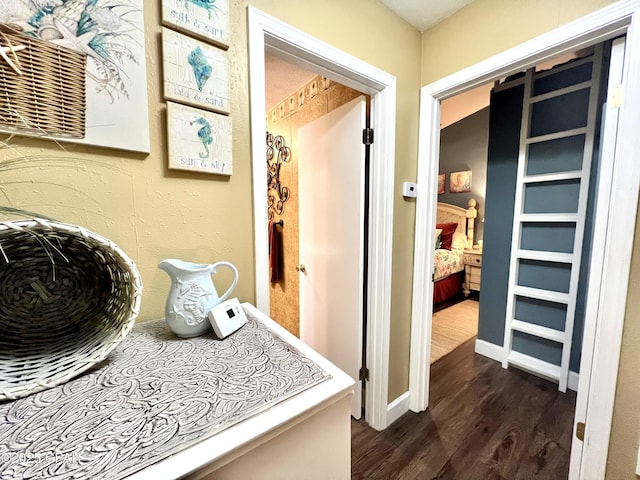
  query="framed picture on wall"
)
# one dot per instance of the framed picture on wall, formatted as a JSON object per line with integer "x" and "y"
{"x": 195, "y": 72}
{"x": 199, "y": 140}
{"x": 460, "y": 182}
{"x": 207, "y": 19}
{"x": 441, "y": 182}
{"x": 111, "y": 36}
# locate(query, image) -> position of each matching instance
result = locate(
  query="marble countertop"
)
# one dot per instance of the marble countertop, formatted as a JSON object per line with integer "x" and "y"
{"x": 161, "y": 407}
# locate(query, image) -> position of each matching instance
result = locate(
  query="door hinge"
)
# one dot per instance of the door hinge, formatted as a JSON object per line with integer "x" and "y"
{"x": 363, "y": 375}
{"x": 615, "y": 98}
{"x": 580, "y": 431}
{"x": 367, "y": 136}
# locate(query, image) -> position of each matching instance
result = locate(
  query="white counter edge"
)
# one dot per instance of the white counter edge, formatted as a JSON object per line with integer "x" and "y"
{"x": 231, "y": 440}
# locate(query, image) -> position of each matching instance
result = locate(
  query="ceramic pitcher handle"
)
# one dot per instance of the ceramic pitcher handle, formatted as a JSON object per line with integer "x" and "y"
{"x": 235, "y": 277}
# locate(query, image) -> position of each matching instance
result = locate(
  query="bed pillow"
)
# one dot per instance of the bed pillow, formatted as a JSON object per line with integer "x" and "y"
{"x": 437, "y": 239}
{"x": 459, "y": 241}
{"x": 446, "y": 237}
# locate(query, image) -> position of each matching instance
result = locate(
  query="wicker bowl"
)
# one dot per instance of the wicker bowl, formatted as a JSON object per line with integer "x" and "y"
{"x": 67, "y": 298}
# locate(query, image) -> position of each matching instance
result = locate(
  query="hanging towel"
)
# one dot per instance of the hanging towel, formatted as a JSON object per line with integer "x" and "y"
{"x": 275, "y": 251}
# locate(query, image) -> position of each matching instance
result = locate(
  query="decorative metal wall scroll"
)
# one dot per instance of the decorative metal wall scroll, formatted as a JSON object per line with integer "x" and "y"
{"x": 277, "y": 154}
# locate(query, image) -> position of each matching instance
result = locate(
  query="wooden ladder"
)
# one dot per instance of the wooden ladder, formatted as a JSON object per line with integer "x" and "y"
{"x": 535, "y": 267}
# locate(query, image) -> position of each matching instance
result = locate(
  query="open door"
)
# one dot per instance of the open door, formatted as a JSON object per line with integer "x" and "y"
{"x": 331, "y": 200}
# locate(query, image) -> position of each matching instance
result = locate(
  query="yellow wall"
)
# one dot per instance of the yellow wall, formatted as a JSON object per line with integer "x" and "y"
{"x": 625, "y": 431}
{"x": 485, "y": 28}
{"x": 153, "y": 213}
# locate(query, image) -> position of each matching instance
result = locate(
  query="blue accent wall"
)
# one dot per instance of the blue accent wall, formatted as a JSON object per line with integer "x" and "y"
{"x": 503, "y": 146}
{"x": 505, "y": 115}
{"x": 463, "y": 146}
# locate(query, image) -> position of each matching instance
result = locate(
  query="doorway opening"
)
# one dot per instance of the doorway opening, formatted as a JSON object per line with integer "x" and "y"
{"x": 488, "y": 144}
{"x": 616, "y": 196}
{"x": 464, "y": 149}
{"x": 295, "y": 97}
{"x": 463, "y": 155}
{"x": 317, "y": 213}
{"x": 300, "y": 49}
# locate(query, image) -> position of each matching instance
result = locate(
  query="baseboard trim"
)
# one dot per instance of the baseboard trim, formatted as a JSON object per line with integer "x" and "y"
{"x": 573, "y": 381}
{"x": 397, "y": 408}
{"x": 487, "y": 349}
{"x": 495, "y": 352}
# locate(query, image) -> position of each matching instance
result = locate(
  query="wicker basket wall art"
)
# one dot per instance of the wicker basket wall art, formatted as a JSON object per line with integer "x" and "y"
{"x": 44, "y": 91}
{"x": 67, "y": 298}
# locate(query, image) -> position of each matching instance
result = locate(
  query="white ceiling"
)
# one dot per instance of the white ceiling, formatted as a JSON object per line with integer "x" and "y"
{"x": 423, "y": 14}
{"x": 282, "y": 79}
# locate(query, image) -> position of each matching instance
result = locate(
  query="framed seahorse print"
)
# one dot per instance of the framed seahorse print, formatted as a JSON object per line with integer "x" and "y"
{"x": 111, "y": 35}
{"x": 207, "y": 19}
{"x": 199, "y": 140}
{"x": 195, "y": 72}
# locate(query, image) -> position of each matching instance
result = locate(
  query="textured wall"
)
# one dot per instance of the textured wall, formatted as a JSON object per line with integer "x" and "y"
{"x": 487, "y": 27}
{"x": 625, "y": 431}
{"x": 154, "y": 213}
{"x": 319, "y": 97}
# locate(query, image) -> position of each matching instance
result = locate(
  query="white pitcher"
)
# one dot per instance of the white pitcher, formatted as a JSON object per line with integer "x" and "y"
{"x": 192, "y": 294}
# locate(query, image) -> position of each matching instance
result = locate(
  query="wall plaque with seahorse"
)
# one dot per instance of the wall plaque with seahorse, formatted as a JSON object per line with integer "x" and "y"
{"x": 207, "y": 19}
{"x": 195, "y": 72}
{"x": 199, "y": 140}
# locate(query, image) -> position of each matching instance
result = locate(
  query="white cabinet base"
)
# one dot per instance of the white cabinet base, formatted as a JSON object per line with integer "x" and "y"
{"x": 317, "y": 446}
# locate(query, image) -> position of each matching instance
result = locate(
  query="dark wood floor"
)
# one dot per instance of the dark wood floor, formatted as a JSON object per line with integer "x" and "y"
{"x": 483, "y": 423}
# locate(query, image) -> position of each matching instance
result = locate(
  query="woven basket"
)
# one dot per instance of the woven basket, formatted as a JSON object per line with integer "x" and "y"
{"x": 48, "y": 97}
{"x": 67, "y": 298}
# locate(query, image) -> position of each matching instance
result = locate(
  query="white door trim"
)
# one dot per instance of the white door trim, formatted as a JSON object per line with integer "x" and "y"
{"x": 618, "y": 18}
{"x": 304, "y": 50}
{"x": 599, "y": 244}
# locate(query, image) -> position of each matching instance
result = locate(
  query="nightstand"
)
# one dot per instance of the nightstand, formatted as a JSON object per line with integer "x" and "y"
{"x": 472, "y": 271}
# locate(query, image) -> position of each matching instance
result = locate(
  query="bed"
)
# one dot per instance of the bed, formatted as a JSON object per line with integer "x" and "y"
{"x": 454, "y": 233}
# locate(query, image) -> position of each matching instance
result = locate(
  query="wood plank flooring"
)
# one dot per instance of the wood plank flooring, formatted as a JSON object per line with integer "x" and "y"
{"x": 483, "y": 423}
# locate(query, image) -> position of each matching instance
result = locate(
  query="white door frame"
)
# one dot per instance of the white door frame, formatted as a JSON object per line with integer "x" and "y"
{"x": 597, "y": 391}
{"x": 299, "y": 48}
